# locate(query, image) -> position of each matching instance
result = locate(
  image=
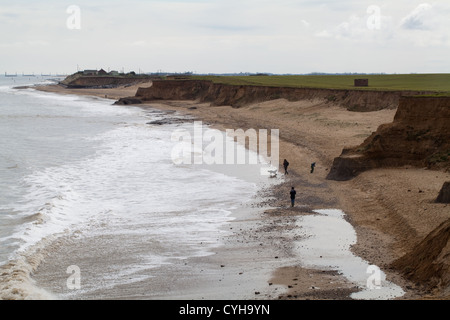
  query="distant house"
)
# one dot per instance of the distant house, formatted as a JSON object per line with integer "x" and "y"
{"x": 361, "y": 82}
{"x": 177, "y": 77}
{"x": 114, "y": 73}
{"x": 90, "y": 72}
{"x": 102, "y": 72}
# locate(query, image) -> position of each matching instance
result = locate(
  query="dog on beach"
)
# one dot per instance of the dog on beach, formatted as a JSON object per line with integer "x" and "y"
{"x": 273, "y": 173}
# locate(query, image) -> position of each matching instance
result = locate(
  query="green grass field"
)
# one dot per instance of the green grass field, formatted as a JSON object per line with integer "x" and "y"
{"x": 414, "y": 82}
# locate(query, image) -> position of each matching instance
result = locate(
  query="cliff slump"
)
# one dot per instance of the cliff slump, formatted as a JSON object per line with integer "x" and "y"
{"x": 419, "y": 136}
{"x": 238, "y": 95}
{"x": 429, "y": 263}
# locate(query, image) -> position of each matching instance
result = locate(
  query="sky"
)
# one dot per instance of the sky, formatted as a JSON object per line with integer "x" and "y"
{"x": 225, "y": 36}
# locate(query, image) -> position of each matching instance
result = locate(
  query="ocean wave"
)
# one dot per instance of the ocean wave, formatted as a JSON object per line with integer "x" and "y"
{"x": 16, "y": 281}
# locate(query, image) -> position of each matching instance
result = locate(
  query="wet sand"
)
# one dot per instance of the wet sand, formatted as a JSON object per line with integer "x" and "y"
{"x": 390, "y": 209}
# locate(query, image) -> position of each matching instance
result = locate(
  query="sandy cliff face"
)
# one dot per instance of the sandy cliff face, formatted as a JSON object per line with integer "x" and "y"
{"x": 429, "y": 262}
{"x": 174, "y": 90}
{"x": 238, "y": 96}
{"x": 419, "y": 136}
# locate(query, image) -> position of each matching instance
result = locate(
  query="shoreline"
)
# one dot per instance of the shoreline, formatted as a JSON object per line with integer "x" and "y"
{"x": 370, "y": 193}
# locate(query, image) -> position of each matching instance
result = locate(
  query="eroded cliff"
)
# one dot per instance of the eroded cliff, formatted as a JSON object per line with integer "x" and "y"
{"x": 419, "y": 136}
{"x": 429, "y": 264}
{"x": 238, "y": 96}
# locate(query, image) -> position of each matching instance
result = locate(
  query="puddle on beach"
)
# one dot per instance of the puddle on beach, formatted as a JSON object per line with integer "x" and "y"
{"x": 326, "y": 246}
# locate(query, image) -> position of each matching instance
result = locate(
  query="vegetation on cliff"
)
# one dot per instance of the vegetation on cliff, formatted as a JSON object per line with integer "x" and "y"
{"x": 410, "y": 82}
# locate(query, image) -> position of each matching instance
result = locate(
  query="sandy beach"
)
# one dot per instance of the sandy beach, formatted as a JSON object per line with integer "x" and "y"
{"x": 392, "y": 210}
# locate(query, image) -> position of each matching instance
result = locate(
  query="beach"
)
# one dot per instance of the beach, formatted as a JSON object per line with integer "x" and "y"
{"x": 391, "y": 210}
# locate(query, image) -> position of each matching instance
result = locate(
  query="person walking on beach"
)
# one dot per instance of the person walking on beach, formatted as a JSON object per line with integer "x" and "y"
{"x": 313, "y": 165}
{"x": 285, "y": 165}
{"x": 293, "y": 193}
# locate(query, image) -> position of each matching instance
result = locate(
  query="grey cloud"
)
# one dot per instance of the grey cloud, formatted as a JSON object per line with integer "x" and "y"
{"x": 418, "y": 19}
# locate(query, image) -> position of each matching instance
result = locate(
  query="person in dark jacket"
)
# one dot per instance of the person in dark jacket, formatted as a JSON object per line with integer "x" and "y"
{"x": 285, "y": 165}
{"x": 293, "y": 193}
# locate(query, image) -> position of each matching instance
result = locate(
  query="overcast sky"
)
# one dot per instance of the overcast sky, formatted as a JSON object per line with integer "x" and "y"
{"x": 224, "y": 36}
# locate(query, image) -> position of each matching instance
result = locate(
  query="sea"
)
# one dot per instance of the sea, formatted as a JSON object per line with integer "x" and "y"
{"x": 82, "y": 173}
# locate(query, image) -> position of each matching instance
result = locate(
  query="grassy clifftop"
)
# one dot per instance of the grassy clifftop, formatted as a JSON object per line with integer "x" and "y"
{"x": 408, "y": 82}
